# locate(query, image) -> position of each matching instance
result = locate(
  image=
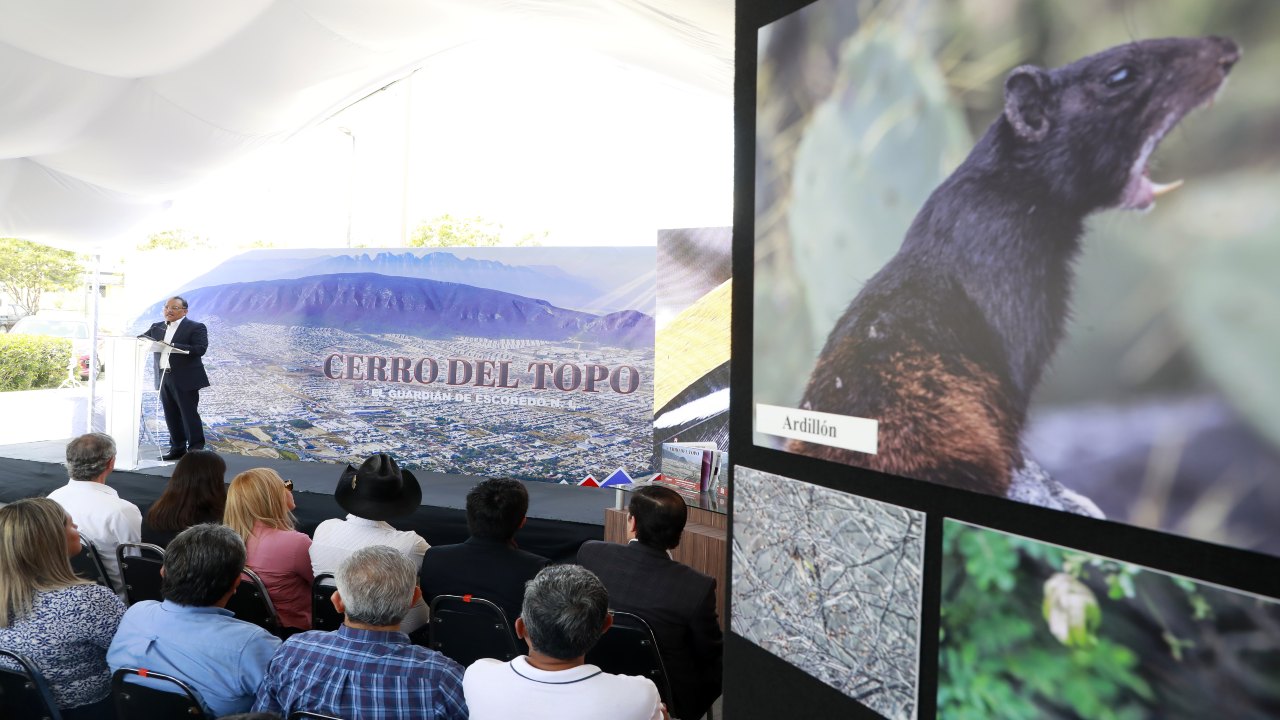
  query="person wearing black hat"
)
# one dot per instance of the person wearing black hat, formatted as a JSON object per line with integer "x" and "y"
{"x": 377, "y": 492}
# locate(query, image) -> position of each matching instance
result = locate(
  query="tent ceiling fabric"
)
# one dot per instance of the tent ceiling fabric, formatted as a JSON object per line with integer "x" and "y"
{"x": 113, "y": 108}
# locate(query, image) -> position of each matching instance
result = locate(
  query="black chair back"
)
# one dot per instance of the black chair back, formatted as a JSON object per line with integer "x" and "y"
{"x": 468, "y": 628}
{"x": 304, "y": 715}
{"x": 134, "y": 701}
{"x": 140, "y": 570}
{"x": 629, "y": 648}
{"x": 324, "y": 616}
{"x": 88, "y": 564}
{"x": 24, "y": 695}
{"x": 251, "y": 603}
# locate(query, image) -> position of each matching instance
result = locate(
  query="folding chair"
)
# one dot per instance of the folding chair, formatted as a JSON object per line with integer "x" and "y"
{"x": 467, "y": 628}
{"x": 88, "y": 564}
{"x": 629, "y": 648}
{"x": 324, "y": 616}
{"x": 24, "y": 694}
{"x": 140, "y": 571}
{"x": 251, "y": 603}
{"x": 136, "y": 701}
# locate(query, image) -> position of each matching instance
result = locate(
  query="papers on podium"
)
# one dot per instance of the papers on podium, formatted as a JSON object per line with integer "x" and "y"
{"x": 156, "y": 346}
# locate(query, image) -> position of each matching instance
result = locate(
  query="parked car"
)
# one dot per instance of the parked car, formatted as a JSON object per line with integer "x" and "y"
{"x": 9, "y": 314}
{"x": 75, "y": 330}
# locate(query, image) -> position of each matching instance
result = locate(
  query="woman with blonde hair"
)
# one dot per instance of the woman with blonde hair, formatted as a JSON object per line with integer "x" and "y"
{"x": 63, "y": 624}
{"x": 259, "y": 505}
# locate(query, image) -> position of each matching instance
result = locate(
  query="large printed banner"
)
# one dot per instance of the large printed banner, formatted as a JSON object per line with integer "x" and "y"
{"x": 534, "y": 363}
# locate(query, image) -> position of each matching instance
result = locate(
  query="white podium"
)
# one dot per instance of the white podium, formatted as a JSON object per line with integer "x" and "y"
{"x": 127, "y": 358}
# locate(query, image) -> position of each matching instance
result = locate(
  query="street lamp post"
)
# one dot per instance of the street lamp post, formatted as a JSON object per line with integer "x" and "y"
{"x": 351, "y": 180}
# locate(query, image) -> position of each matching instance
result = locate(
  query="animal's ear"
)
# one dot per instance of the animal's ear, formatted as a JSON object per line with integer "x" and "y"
{"x": 1026, "y": 102}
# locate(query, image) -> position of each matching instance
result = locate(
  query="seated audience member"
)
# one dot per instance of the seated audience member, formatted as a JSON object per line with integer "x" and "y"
{"x": 678, "y": 602}
{"x": 566, "y": 610}
{"x": 103, "y": 517}
{"x": 375, "y": 493}
{"x": 488, "y": 565}
{"x": 191, "y": 635}
{"x": 367, "y": 667}
{"x": 197, "y": 493}
{"x": 60, "y": 622}
{"x": 259, "y": 505}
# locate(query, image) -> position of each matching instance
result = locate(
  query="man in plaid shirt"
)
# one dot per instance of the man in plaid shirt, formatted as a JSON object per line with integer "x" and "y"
{"x": 367, "y": 668}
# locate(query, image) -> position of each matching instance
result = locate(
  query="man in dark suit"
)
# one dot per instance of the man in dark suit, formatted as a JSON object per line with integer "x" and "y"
{"x": 179, "y": 377}
{"x": 678, "y": 602}
{"x": 488, "y": 565}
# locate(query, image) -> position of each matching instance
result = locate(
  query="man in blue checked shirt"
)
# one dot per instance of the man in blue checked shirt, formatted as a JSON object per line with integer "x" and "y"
{"x": 367, "y": 668}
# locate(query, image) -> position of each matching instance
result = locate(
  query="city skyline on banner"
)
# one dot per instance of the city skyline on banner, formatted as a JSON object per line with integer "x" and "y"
{"x": 534, "y": 363}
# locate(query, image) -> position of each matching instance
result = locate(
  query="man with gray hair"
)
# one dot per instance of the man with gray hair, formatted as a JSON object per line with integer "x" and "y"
{"x": 191, "y": 635}
{"x": 367, "y": 668}
{"x": 566, "y": 610}
{"x": 104, "y": 518}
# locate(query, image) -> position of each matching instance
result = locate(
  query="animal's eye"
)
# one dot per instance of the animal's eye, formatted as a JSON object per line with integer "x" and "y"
{"x": 1120, "y": 76}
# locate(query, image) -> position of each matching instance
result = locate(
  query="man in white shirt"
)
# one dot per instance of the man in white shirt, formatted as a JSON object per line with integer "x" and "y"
{"x": 377, "y": 492}
{"x": 566, "y": 610}
{"x": 103, "y": 517}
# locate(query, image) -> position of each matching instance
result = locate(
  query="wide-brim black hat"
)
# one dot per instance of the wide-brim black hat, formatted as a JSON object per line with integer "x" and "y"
{"x": 379, "y": 490}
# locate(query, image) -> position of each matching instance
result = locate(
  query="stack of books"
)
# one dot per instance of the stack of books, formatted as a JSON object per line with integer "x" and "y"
{"x": 694, "y": 467}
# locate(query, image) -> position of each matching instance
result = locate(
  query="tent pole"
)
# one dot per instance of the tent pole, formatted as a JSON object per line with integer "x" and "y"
{"x": 94, "y": 291}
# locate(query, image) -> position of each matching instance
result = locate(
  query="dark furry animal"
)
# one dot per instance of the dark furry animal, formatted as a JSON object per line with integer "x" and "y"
{"x": 945, "y": 344}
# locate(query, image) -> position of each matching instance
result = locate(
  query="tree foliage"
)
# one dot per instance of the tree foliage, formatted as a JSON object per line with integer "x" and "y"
{"x": 175, "y": 239}
{"x": 28, "y": 270}
{"x": 448, "y": 231}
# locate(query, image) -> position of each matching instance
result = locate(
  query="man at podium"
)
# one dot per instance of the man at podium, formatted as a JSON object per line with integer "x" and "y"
{"x": 180, "y": 375}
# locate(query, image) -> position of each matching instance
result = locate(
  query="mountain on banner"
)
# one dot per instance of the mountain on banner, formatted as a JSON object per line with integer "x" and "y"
{"x": 544, "y": 280}
{"x": 589, "y": 481}
{"x": 531, "y": 281}
{"x": 371, "y": 303}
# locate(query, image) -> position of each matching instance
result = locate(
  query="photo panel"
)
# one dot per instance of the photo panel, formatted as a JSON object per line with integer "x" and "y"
{"x": 831, "y": 583}
{"x": 1034, "y": 630}
{"x": 691, "y": 363}
{"x": 976, "y": 262}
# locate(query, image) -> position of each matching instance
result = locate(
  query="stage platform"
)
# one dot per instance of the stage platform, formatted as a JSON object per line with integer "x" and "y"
{"x": 561, "y": 517}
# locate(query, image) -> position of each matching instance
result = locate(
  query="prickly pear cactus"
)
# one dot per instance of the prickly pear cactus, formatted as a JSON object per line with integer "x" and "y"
{"x": 871, "y": 155}
{"x": 1229, "y": 309}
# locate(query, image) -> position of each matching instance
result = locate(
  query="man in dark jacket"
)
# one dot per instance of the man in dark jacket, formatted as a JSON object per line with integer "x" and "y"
{"x": 678, "y": 602}
{"x": 488, "y": 565}
{"x": 180, "y": 376}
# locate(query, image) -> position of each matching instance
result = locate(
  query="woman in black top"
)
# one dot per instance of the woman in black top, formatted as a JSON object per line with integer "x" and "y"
{"x": 197, "y": 493}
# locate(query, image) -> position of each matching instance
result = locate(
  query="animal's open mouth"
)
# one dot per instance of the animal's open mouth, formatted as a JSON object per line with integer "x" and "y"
{"x": 1141, "y": 191}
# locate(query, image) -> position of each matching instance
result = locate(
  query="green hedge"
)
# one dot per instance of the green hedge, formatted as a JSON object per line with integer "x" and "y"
{"x": 32, "y": 362}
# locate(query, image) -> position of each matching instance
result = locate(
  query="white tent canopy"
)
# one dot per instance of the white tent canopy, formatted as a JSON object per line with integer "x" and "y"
{"x": 111, "y": 109}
